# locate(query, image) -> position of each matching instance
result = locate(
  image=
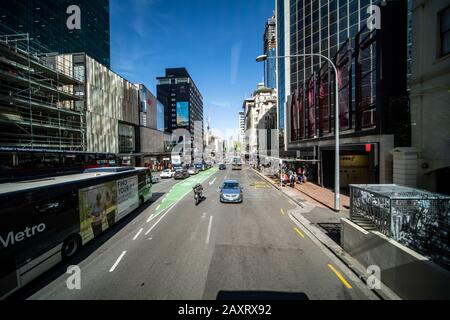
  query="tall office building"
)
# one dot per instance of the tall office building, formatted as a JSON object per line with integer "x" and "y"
{"x": 241, "y": 126}
{"x": 373, "y": 109}
{"x": 183, "y": 104}
{"x": 241, "y": 123}
{"x": 181, "y": 98}
{"x": 62, "y": 26}
{"x": 270, "y": 45}
{"x": 282, "y": 16}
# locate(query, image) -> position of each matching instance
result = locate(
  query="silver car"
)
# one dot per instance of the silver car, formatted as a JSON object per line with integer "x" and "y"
{"x": 192, "y": 171}
{"x": 231, "y": 192}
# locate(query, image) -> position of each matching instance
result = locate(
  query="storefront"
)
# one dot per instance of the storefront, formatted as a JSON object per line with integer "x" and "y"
{"x": 358, "y": 165}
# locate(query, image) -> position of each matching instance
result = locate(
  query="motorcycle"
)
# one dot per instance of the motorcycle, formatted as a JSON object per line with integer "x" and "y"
{"x": 198, "y": 193}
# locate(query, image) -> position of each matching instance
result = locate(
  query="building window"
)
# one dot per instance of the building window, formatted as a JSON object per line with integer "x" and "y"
{"x": 445, "y": 31}
{"x": 126, "y": 138}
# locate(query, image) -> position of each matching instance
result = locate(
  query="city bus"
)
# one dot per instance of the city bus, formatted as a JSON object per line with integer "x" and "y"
{"x": 47, "y": 220}
{"x": 236, "y": 163}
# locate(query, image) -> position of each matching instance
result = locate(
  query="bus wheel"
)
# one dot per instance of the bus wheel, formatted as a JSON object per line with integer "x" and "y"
{"x": 71, "y": 246}
{"x": 141, "y": 201}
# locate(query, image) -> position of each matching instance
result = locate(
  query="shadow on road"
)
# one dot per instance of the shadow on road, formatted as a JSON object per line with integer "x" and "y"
{"x": 260, "y": 295}
{"x": 61, "y": 268}
{"x": 156, "y": 196}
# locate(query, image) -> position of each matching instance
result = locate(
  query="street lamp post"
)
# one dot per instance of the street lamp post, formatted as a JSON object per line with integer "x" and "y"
{"x": 264, "y": 57}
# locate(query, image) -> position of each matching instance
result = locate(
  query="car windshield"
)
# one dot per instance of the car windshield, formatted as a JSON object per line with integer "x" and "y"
{"x": 231, "y": 185}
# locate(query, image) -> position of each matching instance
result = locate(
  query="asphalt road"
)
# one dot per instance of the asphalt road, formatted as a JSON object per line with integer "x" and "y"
{"x": 173, "y": 249}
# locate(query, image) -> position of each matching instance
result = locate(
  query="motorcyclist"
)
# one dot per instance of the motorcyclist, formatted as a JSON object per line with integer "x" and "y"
{"x": 198, "y": 190}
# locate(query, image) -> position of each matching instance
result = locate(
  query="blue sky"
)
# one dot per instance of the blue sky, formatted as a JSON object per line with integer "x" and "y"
{"x": 216, "y": 40}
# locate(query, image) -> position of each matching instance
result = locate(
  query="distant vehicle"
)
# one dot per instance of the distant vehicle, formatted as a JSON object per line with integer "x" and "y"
{"x": 231, "y": 191}
{"x": 47, "y": 220}
{"x": 236, "y": 163}
{"x": 192, "y": 171}
{"x": 155, "y": 177}
{"x": 181, "y": 174}
{"x": 167, "y": 174}
{"x": 222, "y": 166}
{"x": 200, "y": 166}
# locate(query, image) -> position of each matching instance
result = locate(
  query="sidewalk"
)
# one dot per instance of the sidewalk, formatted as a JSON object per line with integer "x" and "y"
{"x": 317, "y": 206}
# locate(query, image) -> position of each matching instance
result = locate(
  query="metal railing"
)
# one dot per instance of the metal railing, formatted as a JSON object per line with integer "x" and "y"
{"x": 415, "y": 218}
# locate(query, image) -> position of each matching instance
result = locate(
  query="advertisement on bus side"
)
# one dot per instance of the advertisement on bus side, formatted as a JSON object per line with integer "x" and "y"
{"x": 101, "y": 206}
{"x": 127, "y": 196}
{"x": 98, "y": 207}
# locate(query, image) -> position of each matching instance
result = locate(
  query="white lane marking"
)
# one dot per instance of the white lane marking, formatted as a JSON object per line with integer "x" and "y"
{"x": 150, "y": 238}
{"x": 292, "y": 202}
{"x": 150, "y": 230}
{"x": 158, "y": 207}
{"x": 212, "y": 182}
{"x": 209, "y": 229}
{"x": 138, "y": 233}
{"x": 117, "y": 262}
{"x": 150, "y": 218}
{"x": 203, "y": 215}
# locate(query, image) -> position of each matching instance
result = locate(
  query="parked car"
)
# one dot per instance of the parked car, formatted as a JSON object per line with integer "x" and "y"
{"x": 231, "y": 192}
{"x": 192, "y": 171}
{"x": 155, "y": 177}
{"x": 222, "y": 166}
{"x": 167, "y": 174}
{"x": 181, "y": 174}
{"x": 200, "y": 166}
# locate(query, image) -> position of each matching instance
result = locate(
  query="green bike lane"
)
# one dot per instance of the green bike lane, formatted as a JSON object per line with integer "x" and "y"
{"x": 181, "y": 189}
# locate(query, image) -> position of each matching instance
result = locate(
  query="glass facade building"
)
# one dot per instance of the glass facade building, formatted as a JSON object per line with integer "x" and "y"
{"x": 322, "y": 26}
{"x": 281, "y": 83}
{"x": 47, "y": 22}
{"x": 182, "y": 100}
{"x": 271, "y": 70}
{"x": 159, "y": 116}
{"x": 371, "y": 64}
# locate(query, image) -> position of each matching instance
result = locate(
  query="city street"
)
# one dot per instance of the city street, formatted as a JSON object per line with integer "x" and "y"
{"x": 175, "y": 250}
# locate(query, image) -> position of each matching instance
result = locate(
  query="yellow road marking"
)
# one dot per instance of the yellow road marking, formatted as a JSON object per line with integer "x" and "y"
{"x": 299, "y": 232}
{"x": 340, "y": 276}
{"x": 282, "y": 211}
{"x": 261, "y": 185}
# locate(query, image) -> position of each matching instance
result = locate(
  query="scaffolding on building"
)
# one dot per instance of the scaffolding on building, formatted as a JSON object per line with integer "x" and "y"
{"x": 41, "y": 98}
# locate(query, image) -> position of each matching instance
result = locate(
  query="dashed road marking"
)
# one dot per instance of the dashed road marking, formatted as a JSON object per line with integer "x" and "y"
{"x": 209, "y": 229}
{"x": 117, "y": 262}
{"x": 337, "y": 273}
{"x": 299, "y": 232}
{"x": 138, "y": 233}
